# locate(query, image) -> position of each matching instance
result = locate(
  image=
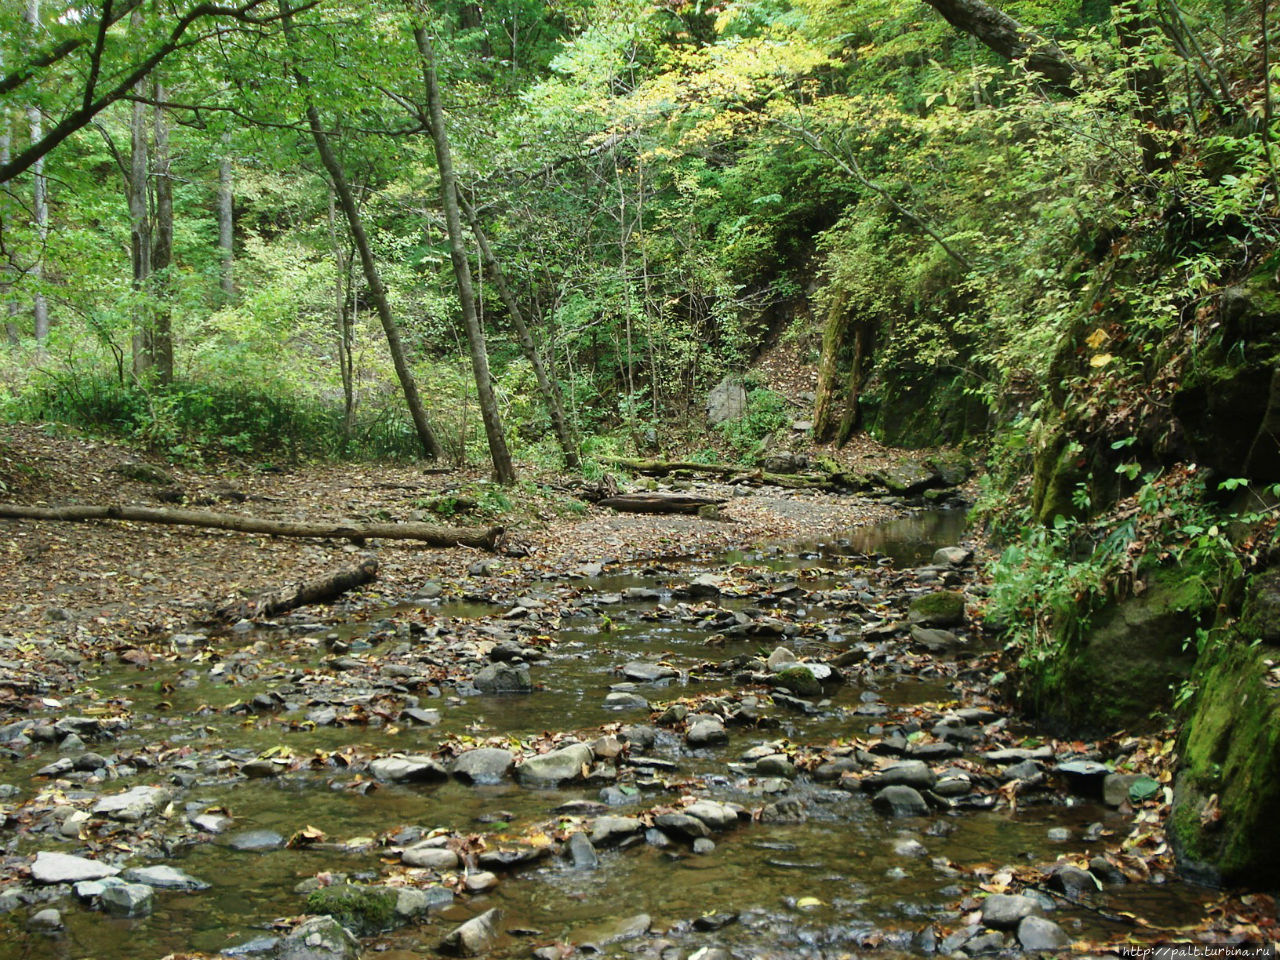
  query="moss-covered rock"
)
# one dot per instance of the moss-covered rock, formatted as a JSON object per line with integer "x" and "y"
{"x": 1227, "y": 797}
{"x": 799, "y": 680}
{"x": 1058, "y": 469}
{"x": 1118, "y": 667}
{"x": 917, "y": 408}
{"x": 942, "y": 608}
{"x": 363, "y": 909}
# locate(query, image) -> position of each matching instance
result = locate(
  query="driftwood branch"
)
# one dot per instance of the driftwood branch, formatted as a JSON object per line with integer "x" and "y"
{"x": 323, "y": 589}
{"x": 436, "y": 536}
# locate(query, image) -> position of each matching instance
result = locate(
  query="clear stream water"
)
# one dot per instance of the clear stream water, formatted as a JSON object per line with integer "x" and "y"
{"x": 843, "y": 856}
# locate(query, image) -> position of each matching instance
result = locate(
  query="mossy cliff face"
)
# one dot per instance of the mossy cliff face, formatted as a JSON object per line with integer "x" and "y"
{"x": 1226, "y": 813}
{"x": 1121, "y": 665}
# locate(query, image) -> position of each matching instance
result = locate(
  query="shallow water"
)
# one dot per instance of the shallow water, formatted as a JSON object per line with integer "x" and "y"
{"x": 843, "y": 857}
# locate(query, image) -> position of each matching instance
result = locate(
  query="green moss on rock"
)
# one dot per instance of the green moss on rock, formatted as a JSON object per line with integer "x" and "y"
{"x": 799, "y": 680}
{"x": 942, "y": 608}
{"x": 363, "y": 909}
{"x": 1227, "y": 798}
{"x": 1120, "y": 666}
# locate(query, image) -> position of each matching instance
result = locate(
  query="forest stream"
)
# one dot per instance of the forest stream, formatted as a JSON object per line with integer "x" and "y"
{"x": 246, "y": 758}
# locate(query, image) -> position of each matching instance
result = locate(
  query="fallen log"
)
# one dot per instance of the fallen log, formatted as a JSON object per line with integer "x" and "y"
{"x": 660, "y": 502}
{"x": 832, "y": 481}
{"x": 323, "y": 589}
{"x": 436, "y": 536}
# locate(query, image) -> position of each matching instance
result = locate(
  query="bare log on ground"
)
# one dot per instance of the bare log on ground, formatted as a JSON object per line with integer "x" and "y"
{"x": 485, "y": 538}
{"x": 831, "y": 481}
{"x": 323, "y": 589}
{"x": 660, "y": 502}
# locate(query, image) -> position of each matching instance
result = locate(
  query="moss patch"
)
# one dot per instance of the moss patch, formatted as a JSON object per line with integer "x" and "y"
{"x": 942, "y": 608}
{"x": 362, "y": 909}
{"x": 1122, "y": 666}
{"x": 799, "y": 680}
{"x": 1227, "y": 802}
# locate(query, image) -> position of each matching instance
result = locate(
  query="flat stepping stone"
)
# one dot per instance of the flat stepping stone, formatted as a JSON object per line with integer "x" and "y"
{"x": 64, "y": 868}
{"x": 164, "y": 877}
{"x": 254, "y": 840}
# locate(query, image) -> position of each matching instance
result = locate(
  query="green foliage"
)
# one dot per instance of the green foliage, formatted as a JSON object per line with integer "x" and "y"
{"x": 766, "y": 413}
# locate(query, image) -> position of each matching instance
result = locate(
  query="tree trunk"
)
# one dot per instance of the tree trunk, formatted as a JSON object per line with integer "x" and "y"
{"x": 378, "y": 292}
{"x": 162, "y": 248}
{"x": 436, "y": 536}
{"x": 825, "y": 396}
{"x": 39, "y": 203}
{"x": 660, "y": 502}
{"x": 851, "y": 420}
{"x": 140, "y": 226}
{"x": 322, "y": 589}
{"x": 547, "y": 384}
{"x": 1147, "y": 83}
{"x": 504, "y": 470}
{"x": 226, "y": 222}
{"x": 344, "y": 308}
{"x": 1010, "y": 39}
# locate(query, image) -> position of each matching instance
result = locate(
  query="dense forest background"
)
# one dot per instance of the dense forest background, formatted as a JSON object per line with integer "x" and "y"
{"x": 1046, "y": 231}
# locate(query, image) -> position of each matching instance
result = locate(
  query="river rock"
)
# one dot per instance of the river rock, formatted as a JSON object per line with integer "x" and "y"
{"x": 643, "y": 672}
{"x": 127, "y": 900}
{"x": 906, "y": 477}
{"x": 609, "y": 932}
{"x": 681, "y": 824}
{"x": 503, "y": 678}
{"x": 907, "y": 773}
{"x": 47, "y": 920}
{"x": 900, "y": 801}
{"x": 320, "y": 938}
{"x": 780, "y": 659}
{"x": 250, "y": 841}
{"x": 475, "y": 936}
{"x": 582, "y": 853}
{"x": 212, "y": 822}
{"x": 1037, "y": 934}
{"x": 800, "y": 679}
{"x": 1115, "y": 787}
{"x": 606, "y": 830}
{"x": 478, "y": 881}
{"x": 548, "y": 769}
{"x": 624, "y": 700}
{"x": 132, "y": 805}
{"x": 1005, "y": 911}
{"x": 64, "y": 868}
{"x": 942, "y": 608}
{"x": 413, "y": 902}
{"x": 1073, "y": 881}
{"x": 717, "y": 816}
{"x": 706, "y": 731}
{"x": 952, "y": 556}
{"x": 483, "y": 765}
{"x": 933, "y": 639}
{"x": 164, "y": 877}
{"x": 430, "y": 856}
{"x": 413, "y": 769}
{"x": 776, "y": 765}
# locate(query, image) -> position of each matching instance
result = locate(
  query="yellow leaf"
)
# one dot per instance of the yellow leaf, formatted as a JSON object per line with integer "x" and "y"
{"x": 1097, "y": 338}
{"x": 808, "y": 903}
{"x": 1100, "y": 360}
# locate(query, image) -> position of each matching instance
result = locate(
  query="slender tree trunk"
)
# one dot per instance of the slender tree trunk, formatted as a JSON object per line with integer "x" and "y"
{"x": 504, "y": 470}
{"x": 344, "y": 308}
{"x": 162, "y": 247}
{"x": 1146, "y": 81}
{"x": 1267, "y": 110}
{"x": 7, "y": 274}
{"x": 377, "y": 291}
{"x": 226, "y": 222}
{"x": 834, "y": 334}
{"x": 547, "y": 384}
{"x": 39, "y": 203}
{"x": 140, "y": 227}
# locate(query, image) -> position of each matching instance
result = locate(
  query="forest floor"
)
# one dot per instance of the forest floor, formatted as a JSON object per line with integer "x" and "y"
{"x": 130, "y": 580}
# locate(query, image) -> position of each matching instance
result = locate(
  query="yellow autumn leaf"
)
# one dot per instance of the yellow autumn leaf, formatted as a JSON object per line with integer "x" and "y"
{"x": 1100, "y": 360}
{"x": 1097, "y": 338}
{"x": 808, "y": 903}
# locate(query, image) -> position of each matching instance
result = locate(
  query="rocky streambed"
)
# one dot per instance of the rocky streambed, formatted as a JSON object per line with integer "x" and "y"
{"x": 791, "y": 752}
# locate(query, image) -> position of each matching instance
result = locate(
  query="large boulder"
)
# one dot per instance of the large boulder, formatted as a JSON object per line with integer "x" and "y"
{"x": 726, "y": 401}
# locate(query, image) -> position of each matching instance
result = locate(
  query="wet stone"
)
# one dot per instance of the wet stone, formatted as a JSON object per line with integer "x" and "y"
{"x": 408, "y": 769}
{"x": 257, "y": 947}
{"x": 320, "y": 938}
{"x": 642, "y": 672}
{"x": 776, "y": 765}
{"x": 164, "y": 877}
{"x": 430, "y": 856}
{"x": 582, "y": 853}
{"x": 132, "y": 805}
{"x": 1004, "y": 911}
{"x": 503, "y": 678}
{"x": 703, "y": 845}
{"x": 48, "y": 920}
{"x": 474, "y": 937}
{"x": 212, "y": 822}
{"x": 706, "y": 732}
{"x": 909, "y": 773}
{"x": 548, "y": 769}
{"x": 681, "y": 824}
{"x": 128, "y": 900}
{"x": 1036, "y": 933}
{"x": 621, "y": 700}
{"x": 607, "y": 830}
{"x": 483, "y": 765}
{"x": 1072, "y": 881}
{"x": 717, "y": 816}
{"x": 256, "y": 840}
{"x": 900, "y": 801}
{"x": 64, "y": 868}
